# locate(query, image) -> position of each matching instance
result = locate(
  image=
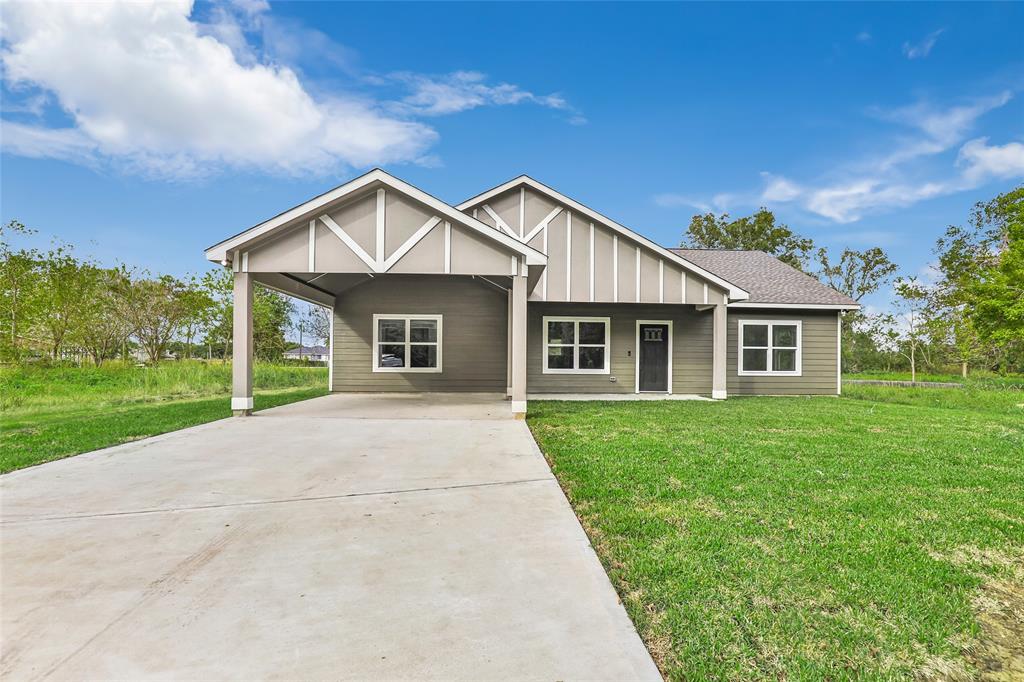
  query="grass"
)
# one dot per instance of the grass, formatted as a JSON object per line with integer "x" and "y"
{"x": 50, "y": 413}
{"x": 978, "y": 379}
{"x": 875, "y": 536}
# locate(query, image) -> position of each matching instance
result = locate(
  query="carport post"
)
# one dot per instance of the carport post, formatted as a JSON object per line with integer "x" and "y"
{"x": 241, "y": 359}
{"x": 518, "y": 305}
{"x": 718, "y": 391}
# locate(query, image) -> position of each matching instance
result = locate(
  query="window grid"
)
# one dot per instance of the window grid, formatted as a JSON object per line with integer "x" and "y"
{"x": 576, "y": 345}
{"x": 770, "y": 348}
{"x": 407, "y": 343}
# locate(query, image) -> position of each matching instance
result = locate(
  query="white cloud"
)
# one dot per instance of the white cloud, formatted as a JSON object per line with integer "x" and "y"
{"x": 922, "y": 49}
{"x": 981, "y": 161}
{"x": 464, "y": 90}
{"x": 778, "y": 188}
{"x": 150, "y": 89}
{"x": 670, "y": 200}
{"x": 863, "y": 37}
{"x": 866, "y": 186}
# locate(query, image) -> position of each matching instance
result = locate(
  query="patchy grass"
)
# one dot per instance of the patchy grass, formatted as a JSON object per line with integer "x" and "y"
{"x": 50, "y": 413}
{"x": 973, "y": 397}
{"x": 978, "y": 379}
{"x": 796, "y": 538}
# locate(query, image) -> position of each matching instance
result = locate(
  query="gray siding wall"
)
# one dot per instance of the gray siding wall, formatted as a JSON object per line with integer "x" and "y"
{"x": 819, "y": 356}
{"x": 473, "y": 337}
{"x": 691, "y": 348}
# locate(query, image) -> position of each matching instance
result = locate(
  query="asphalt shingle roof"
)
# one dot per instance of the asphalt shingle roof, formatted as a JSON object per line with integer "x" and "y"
{"x": 768, "y": 279}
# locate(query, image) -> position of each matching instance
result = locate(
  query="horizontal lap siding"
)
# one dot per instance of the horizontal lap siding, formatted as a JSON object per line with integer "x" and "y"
{"x": 818, "y": 356}
{"x": 473, "y": 337}
{"x": 691, "y": 348}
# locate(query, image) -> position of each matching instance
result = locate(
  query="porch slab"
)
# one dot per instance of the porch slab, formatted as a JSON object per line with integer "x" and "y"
{"x": 616, "y": 396}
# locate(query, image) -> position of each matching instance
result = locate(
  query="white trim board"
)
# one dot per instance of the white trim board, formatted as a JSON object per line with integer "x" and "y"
{"x": 607, "y": 345}
{"x": 734, "y": 291}
{"x": 794, "y": 306}
{"x": 740, "y": 371}
{"x": 219, "y": 251}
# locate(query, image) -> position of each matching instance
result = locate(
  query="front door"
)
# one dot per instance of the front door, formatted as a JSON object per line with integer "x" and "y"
{"x": 653, "y": 357}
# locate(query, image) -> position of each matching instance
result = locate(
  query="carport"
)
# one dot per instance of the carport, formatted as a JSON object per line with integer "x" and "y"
{"x": 376, "y": 228}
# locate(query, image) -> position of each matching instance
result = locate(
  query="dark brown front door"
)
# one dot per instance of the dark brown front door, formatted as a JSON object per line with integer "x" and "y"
{"x": 653, "y": 357}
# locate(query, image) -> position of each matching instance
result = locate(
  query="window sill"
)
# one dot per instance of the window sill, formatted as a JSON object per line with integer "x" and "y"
{"x": 768, "y": 374}
{"x": 408, "y": 370}
{"x": 575, "y": 371}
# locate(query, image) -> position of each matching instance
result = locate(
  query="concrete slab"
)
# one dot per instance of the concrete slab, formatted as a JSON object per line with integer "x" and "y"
{"x": 306, "y": 542}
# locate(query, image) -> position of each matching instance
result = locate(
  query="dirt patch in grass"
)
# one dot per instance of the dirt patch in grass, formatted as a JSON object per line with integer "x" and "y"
{"x": 999, "y": 652}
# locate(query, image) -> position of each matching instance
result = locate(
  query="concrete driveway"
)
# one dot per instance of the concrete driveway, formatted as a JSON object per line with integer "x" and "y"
{"x": 347, "y": 537}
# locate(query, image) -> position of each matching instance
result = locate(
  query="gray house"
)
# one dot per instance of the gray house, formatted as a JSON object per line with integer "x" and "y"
{"x": 523, "y": 291}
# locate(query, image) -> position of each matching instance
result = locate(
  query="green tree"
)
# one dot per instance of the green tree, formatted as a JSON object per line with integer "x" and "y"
{"x": 980, "y": 293}
{"x": 102, "y": 325}
{"x": 19, "y": 287}
{"x": 759, "y": 232}
{"x": 197, "y": 303}
{"x": 155, "y": 311}
{"x": 912, "y": 305}
{"x": 63, "y": 296}
{"x": 856, "y": 273}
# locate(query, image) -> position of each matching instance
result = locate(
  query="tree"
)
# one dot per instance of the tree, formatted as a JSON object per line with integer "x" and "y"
{"x": 758, "y": 232}
{"x": 155, "y": 311}
{"x": 979, "y": 292}
{"x": 856, "y": 273}
{"x": 911, "y": 304}
{"x": 318, "y": 323}
{"x": 102, "y": 325}
{"x": 62, "y": 295}
{"x": 19, "y": 279}
{"x": 197, "y": 302}
{"x": 271, "y": 315}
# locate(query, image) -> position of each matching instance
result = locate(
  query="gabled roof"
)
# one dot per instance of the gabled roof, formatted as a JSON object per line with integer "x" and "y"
{"x": 220, "y": 251}
{"x": 736, "y": 292}
{"x": 771, "y": 282}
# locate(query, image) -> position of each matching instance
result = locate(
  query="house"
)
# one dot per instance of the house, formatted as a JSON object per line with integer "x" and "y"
{"x": 312, "y": 353}
{"x": 524, "y": 291}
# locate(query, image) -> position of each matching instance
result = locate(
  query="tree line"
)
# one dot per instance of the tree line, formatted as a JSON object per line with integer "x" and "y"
{"x": 969, "y": 313}
{"x": 56, "y": 306}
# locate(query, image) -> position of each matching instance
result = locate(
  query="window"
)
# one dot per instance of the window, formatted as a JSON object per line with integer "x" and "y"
{"x": 576, "y": 345}
{"x": 769, "y": 347}
{"x": 406, "y": 343}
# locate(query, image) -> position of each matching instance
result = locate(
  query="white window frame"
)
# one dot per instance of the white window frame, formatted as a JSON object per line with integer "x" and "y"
{"x": 769, "y": 348}
{"x": 407, "y": 343}
{"x": 607, "y": 345}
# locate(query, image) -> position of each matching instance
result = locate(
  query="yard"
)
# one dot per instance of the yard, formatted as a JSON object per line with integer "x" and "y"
{"x": 875, "y": 536}
{"x": 51, "y": 412}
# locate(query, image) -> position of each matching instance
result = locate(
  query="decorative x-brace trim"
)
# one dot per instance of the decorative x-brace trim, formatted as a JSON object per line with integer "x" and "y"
{"x": 502, "y": 225}
{"x": 389, "y": 262}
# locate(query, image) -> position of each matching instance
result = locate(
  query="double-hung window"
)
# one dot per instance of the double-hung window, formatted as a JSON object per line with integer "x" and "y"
{"x": 406, "y": 343}
{"x": 769, "y": 347}
{"x": 576, "y": 345}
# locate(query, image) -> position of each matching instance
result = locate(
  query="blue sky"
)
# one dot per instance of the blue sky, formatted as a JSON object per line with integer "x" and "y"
{"x": 145, "y": 133}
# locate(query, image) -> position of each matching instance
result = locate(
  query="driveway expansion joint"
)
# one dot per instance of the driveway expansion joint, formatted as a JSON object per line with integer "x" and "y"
{"x": 258, "y": 503}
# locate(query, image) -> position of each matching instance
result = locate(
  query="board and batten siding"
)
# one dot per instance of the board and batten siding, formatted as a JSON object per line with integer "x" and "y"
{"x": 588, "y": 261}
{"x": 691, "y": 348}
{"x": 473, "y": 337}
{"x": 819, "y": 375}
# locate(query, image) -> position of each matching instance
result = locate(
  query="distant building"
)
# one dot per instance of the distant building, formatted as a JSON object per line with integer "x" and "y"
{"x": 313, "y": 353}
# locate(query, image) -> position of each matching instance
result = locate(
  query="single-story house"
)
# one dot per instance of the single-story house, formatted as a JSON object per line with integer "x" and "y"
{"x": 524, "y": 291}
{"x": 312, "y": 353}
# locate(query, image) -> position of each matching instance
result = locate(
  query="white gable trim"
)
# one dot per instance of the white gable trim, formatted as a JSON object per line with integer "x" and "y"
{"x": 796, "y": 306}
{"x": 735, "y": 292}
{"x": 220, "y": 251}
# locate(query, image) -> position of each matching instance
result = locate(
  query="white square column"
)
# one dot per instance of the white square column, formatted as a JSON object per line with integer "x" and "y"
{"x": 241, "y": 339}
{"x": 718, "y": 391}
{"x": 518, "y": 360}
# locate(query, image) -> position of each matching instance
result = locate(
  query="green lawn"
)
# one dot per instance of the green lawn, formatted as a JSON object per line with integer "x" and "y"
{"x": 50, "y": 413}
{"x": 875, "y": 536}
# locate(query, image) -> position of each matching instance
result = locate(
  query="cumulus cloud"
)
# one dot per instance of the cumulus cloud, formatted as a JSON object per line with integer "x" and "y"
{"x": 149, "y": 87}
{"x": 982, "y": 161}
{"x": 923, "y": 48}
